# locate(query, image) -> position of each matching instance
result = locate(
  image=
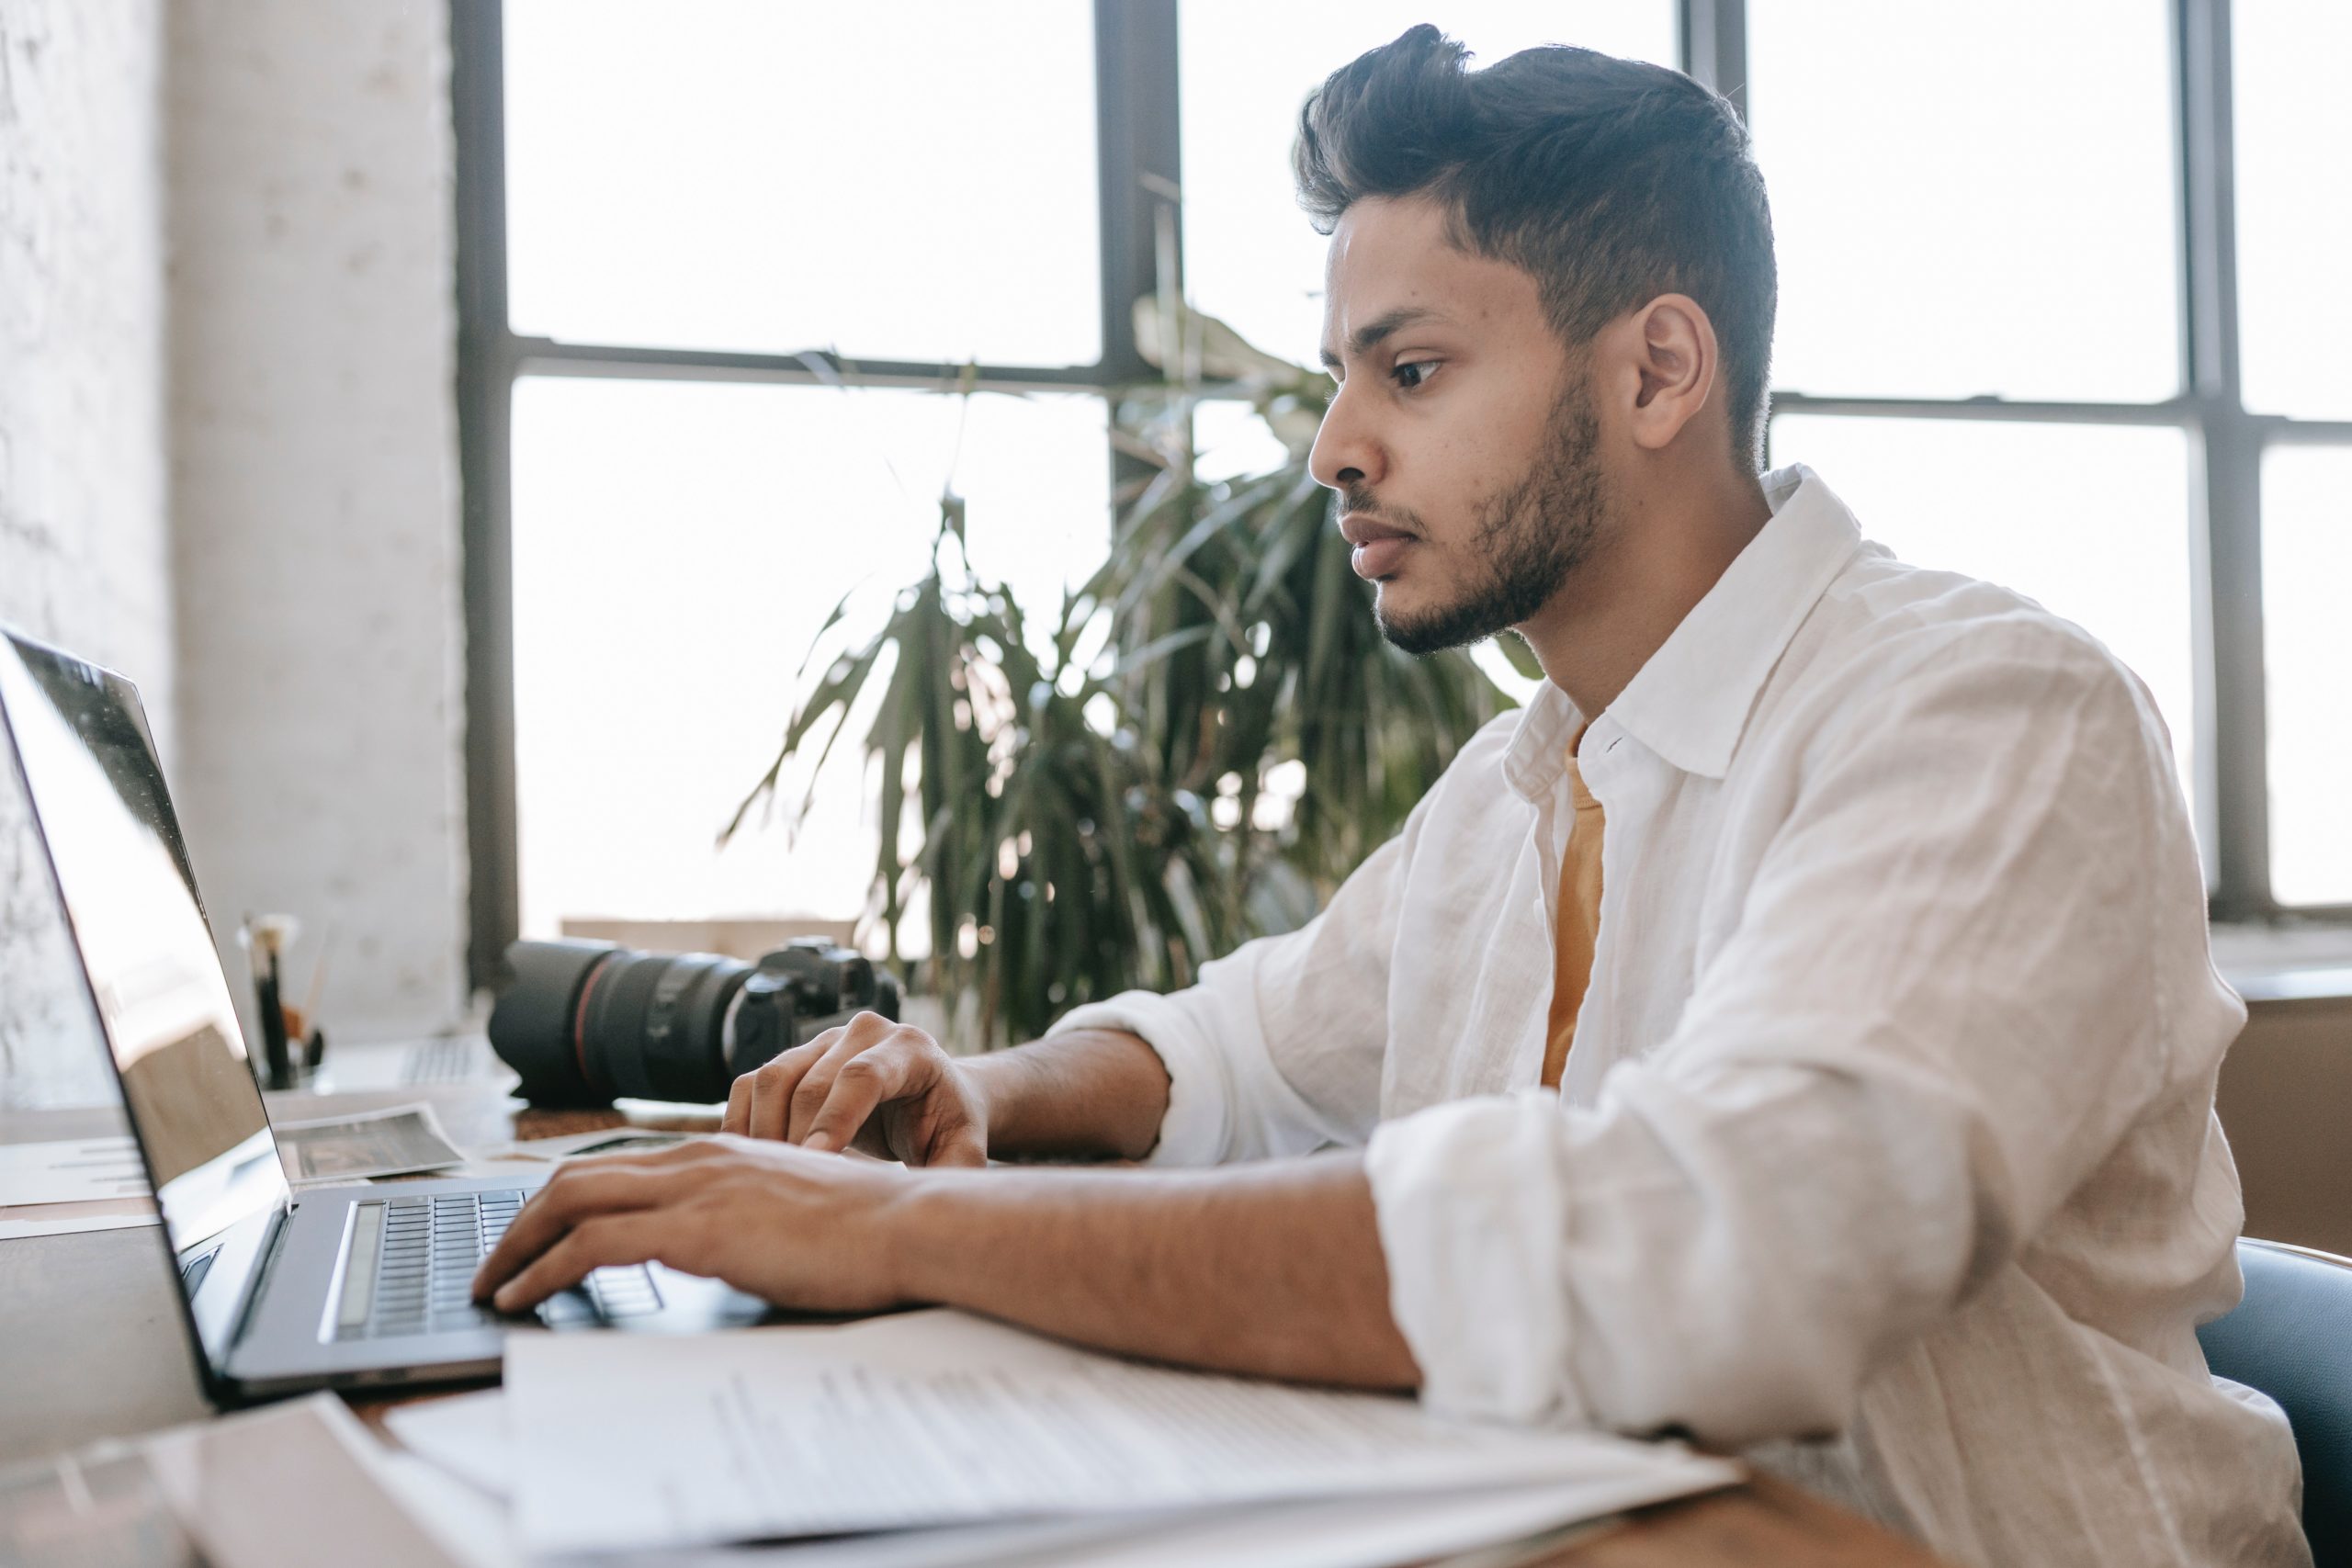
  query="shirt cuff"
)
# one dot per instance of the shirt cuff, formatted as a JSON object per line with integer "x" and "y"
{"x": 1471, "y": 1209}
{"x": 1192, "y": 1130}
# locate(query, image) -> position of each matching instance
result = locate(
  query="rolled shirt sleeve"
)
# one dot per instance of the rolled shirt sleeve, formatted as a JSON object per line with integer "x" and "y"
{"x": 1247, "y": 1079}
{"x": 1945, "y": 1001}
{"x": 1276, "y": 1049}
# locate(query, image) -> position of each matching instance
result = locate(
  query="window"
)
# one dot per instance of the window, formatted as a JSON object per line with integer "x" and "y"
{"x": 2057, "y": 309}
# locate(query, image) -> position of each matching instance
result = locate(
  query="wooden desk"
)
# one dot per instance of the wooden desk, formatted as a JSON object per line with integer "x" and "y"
{"x": 91, "y": 1347}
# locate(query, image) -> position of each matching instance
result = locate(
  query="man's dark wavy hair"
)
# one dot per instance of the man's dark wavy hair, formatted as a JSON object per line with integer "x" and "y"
{"x": 1612, "y": 181}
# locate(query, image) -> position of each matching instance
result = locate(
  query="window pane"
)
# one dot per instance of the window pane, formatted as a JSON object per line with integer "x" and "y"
{"x": 2091, "y": 521}
{"x": 2306, "y": 652}
{"x": 738, "y": 174}
{"x": 1970, "y": 196}
{"x": 676, "y": 545}
{"x": 2293, "y": 125}
{"x": 1249, "y": 256}
{"x": 1230, "y": 441}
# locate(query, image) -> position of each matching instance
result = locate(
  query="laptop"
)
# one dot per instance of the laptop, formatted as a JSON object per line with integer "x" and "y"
{"x": 284, "y": 1291}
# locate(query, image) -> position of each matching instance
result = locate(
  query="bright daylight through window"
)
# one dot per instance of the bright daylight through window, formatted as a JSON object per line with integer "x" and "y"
{"x": 722, "y": 212}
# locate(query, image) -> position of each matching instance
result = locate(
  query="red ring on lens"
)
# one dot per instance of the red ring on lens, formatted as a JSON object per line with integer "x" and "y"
{"x": 580, "y": 1019}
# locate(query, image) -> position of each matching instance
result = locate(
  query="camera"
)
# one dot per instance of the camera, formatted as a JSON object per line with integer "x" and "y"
{"x": 587, "y": 1022}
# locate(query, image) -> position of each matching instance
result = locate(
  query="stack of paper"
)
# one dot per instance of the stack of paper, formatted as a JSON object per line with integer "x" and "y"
{"x": 969, "y": 1442}
{"x": 73, "y": 1184}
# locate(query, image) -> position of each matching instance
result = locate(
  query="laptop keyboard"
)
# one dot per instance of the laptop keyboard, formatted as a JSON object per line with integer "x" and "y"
{"x": 413, "y": 1262}
{"x": 451, "y": 1059}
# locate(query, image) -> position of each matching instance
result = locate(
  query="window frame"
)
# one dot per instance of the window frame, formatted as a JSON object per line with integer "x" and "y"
{"x": 1137, "y": 139}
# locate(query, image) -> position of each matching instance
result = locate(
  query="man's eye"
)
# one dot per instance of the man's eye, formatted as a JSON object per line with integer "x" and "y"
{"x": 1414, "y": 373}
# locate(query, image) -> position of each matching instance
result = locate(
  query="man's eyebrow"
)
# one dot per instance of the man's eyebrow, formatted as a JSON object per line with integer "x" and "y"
{"x": 1368, "y": 337}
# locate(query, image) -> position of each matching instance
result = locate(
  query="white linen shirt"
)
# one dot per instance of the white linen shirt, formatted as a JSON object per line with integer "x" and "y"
{"x": 1887, "y": 1150}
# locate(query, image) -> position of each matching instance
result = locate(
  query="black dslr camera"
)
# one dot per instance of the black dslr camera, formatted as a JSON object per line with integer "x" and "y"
{"x": 587, "y": 1022}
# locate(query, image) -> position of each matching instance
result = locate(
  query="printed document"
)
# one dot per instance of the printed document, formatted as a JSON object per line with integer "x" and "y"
{"x": 73, "y": 1184}
{"x": 629, "y": 1441}
{"x": 70, "y": 1170}
{"x": 399, "y": 1140}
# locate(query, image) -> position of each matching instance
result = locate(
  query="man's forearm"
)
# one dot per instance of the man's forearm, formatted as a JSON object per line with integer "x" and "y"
{"x": 1272, "y": 1269}
{"x": 1093, "y": 1092}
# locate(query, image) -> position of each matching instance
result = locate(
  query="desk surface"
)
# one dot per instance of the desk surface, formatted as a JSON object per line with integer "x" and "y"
{"x": 91, "y": 1347}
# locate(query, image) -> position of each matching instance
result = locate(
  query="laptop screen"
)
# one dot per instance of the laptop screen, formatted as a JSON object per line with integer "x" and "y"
{"x": 90, "y": 771}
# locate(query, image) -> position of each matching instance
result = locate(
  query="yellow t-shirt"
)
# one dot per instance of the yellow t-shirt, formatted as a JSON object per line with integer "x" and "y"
{"x": 1576, "y": 926}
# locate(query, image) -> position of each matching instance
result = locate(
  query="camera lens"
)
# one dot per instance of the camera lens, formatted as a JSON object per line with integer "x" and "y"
{"x": 585, "y": 1022}
{"x": 650, "y": 1025}
{"x": 532, "y": 1028}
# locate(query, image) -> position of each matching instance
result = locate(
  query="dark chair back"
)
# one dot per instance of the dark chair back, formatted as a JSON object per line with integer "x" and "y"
{"x": 2291, "y": 1337}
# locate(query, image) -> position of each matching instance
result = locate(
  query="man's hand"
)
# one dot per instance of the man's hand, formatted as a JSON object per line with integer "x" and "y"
{"x": 1273, "y": 1268}
{"x": 870, "y": 1085}
{"x": 794, "y": 1228}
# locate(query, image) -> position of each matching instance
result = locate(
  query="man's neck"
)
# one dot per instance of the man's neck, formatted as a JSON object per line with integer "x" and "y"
{"x": 1665, "y": 550}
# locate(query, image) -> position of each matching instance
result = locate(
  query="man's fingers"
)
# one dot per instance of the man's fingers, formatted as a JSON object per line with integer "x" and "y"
{"x": 575, "y": 1195}
{"x": 858, "y": 1036}
{"x": 599, "y": 1242}
{"x": 739, "y": 1105}
{"x": 888, "y": 1071}
{"x": 770, "y": 1103}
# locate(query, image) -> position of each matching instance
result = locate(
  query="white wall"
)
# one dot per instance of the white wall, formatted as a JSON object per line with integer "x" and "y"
{"x": 314, "y": 487}
{"x": 83, "y": 555}
{"x": 84, "y": 550}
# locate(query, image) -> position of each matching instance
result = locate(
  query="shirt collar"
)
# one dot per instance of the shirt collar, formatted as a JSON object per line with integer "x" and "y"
{"x": 1690, "y": 701}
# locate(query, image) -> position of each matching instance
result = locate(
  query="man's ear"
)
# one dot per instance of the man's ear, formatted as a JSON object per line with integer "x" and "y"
{"x": 1676, "y": 364}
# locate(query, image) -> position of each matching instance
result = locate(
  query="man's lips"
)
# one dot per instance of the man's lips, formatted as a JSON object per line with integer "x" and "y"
{"x": 1379, "y": 549}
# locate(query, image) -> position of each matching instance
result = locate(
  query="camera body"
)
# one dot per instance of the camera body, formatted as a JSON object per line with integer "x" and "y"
{"x": 587, "y": 1022}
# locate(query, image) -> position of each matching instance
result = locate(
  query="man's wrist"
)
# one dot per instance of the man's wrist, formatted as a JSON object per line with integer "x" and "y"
{"x": 916, "y": 1234}
{"x": 984, "y": 1087}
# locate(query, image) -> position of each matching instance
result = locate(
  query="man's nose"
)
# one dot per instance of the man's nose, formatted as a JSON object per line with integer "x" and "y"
{"x": 1345, "y": 455}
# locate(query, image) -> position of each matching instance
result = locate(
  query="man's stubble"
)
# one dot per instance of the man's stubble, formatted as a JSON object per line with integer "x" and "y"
{"x": 1528, "y": 540}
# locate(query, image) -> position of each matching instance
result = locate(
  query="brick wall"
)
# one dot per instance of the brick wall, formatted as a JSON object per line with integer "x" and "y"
{"x": 84, "y": 558}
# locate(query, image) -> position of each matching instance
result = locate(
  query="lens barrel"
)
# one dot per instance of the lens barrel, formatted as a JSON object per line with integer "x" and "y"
{"x": 586, "y": 1022}
{"x": 532, "y": 1027}
{"x": 650, "y": 1025}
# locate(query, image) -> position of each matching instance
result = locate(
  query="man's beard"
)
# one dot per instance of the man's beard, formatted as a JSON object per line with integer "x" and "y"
{"x": 1528, "y": 540}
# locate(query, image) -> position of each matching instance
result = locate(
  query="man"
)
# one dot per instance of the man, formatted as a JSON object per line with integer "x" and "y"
{"x": 1851, "y": 908}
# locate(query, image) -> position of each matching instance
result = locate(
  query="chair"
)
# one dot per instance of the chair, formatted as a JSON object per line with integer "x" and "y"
{"x": 2291, "y": 1337}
